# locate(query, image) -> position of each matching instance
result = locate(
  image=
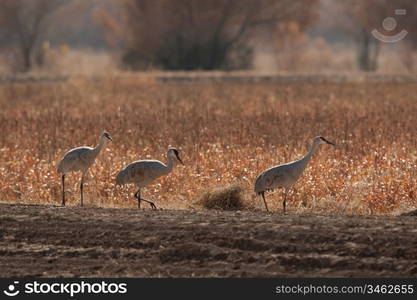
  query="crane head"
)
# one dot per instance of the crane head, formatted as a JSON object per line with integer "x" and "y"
{"x": 174, "y": 152}
{"x": 106, "y": 135}
{"x": 322, "y": 140}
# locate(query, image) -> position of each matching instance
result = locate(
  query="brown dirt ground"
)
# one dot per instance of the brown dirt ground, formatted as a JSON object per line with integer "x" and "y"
{"x": 95, "y": 242}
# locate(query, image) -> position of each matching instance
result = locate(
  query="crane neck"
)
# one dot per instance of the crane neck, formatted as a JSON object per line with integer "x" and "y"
{"x": 170, "y": 163}
{"x": 100, "y": 145}
{"x": 306, "y": 158}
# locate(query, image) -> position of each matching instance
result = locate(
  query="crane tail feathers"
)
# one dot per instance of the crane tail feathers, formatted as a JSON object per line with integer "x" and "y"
{"x": 60, "y": 168}
{"x": 120, "y": 178}
{"x": 259, "y": 185}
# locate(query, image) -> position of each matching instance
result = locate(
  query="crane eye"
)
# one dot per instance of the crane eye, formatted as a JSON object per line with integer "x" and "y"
{"x": 107, "y": 136}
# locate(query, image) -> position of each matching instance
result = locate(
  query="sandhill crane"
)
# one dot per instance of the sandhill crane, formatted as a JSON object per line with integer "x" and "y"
{"x": 143, "y": 172}
{"x": 80, "y": 159}
{"x": 285, "y": 175}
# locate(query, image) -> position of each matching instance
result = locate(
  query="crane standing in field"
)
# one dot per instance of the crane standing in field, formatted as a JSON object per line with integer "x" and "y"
{"x": 80, "y": 159}
{"x": 285, "y": 175}
{"x": 143, "y": 172}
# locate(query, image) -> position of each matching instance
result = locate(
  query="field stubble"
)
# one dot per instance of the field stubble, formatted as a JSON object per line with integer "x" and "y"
{"x": 226, "y": 132}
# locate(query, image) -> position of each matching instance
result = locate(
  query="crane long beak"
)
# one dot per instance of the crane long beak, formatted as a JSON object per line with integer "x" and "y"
{"x": 328, "y": 142}
{"x": 179, "y": 159}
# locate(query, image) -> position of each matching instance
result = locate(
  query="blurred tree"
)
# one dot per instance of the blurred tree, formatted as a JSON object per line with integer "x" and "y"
{"x": 365, "y": 16}
{"x": 199, "y": 34}
{"x": 409, "y": 23}
{"x": 25, "y": 22}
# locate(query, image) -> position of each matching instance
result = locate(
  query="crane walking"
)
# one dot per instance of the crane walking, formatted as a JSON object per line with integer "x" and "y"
{"x": 80, "y": 159}
{"x": 143, "y": 172}
{"x": 286, "y": 175}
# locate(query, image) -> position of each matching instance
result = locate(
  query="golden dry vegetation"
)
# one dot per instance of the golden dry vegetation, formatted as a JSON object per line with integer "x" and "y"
{"x": 226, "y": 133}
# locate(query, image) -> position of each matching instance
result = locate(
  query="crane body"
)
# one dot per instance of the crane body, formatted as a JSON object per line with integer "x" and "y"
{"x": 285, "y": 175}
{"x": 144, "y": 172}
{"x": 80, "y": 159}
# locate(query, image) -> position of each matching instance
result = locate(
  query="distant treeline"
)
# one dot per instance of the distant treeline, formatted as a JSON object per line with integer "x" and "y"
{"x": 196, "y": 34}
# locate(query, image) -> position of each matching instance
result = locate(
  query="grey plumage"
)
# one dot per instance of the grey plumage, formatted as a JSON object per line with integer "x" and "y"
{"x": 285, "y": 175}
{"x": 143, "y": 172}
{"x": 80, "y": 159}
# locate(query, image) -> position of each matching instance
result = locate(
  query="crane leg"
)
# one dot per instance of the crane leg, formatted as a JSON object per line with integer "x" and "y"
{"x": 137, "y": 195}
{"x": 150, "y": 202}
{"x": 284, "y": 203}
{"x": 63, "y": 189}
{"x": 81, "y": 189}
{"x": 263, "y": 197}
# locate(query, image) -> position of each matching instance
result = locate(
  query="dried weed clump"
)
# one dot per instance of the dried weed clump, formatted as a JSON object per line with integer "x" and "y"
{"x": 227, "y": 197}
{"x": 225, "y": 131}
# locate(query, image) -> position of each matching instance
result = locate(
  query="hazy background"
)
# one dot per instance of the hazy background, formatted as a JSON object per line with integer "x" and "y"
{"x": 300, "y": 36}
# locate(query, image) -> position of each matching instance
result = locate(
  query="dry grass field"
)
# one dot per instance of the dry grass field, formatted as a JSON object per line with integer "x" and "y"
{"x": 225, "y": 132}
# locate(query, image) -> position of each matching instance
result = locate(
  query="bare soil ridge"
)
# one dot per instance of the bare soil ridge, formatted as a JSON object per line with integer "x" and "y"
{"x": 95, "y": 242}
